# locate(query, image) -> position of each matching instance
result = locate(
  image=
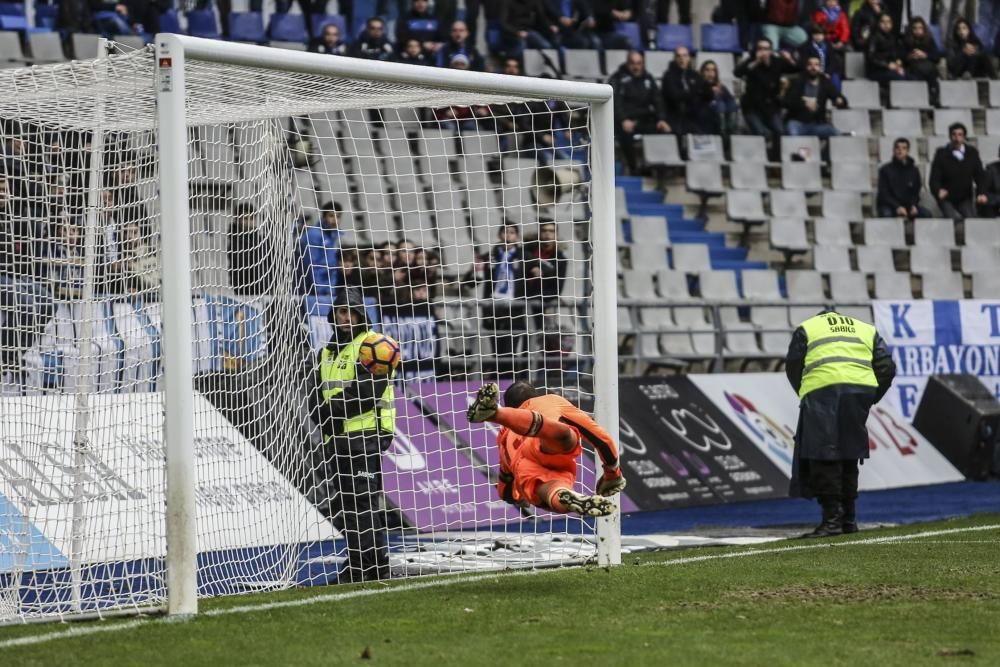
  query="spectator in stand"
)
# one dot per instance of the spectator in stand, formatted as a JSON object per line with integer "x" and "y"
{"x": 685, "y": 94}
{"x": 460, "y": 43}
{"x": 503, "y": 282}
{"x": 762, "y": 93}
{"x": 463, "y": 118}
{"x": 25, "y": 300}
{"x": 831, "y": 62}
{"x": 864, "y": 23}
{"x": 989, "y": 193}
{"x": 140, "y": 264}
{"x": 837, "y": 29}
{"x": 545, "y": 270}
{"x": 247, "y": 250}
{"x": 491, "y": 11}
{"x": 781, "y": 23}
{"x": 921, "y": 57}
{"x": 662, "y": 9}
{"x": 884, "y": 61}
{"x": 329, "y": 42}
{"x": 526, "y": 24}
{"x": 609, "y": 12}
{"x": 720, "y": 115}
{"x": 372, "y": 44}
{"x": 899, "y": 185}
{"x": 576, "y": 24}
{"x": 350, "y": 267}
{"x": 67, "y": 257}
{"x": 966, "y": 54}
{"x": 319, "y": 250}
{"x": 638, "y": 105}
{"x": 955, "y": 172}
{"x": 414, "y": 54}
{"x": 419, "y": 24}
{"x": 806, "y": 99}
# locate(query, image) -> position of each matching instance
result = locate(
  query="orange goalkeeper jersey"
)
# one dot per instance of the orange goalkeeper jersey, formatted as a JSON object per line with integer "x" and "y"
{"x": 514, "y": 447}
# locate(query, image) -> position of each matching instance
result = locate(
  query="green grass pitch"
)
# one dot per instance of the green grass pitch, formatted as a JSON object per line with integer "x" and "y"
{"x": 915, "y": 595}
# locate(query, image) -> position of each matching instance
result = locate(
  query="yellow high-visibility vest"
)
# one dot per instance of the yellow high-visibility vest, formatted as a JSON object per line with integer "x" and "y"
{"x": 337, "y": 371}
{"x": 839, "y": 351}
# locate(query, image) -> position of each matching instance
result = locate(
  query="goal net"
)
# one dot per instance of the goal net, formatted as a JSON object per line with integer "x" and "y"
{"x": 461, "y": 213}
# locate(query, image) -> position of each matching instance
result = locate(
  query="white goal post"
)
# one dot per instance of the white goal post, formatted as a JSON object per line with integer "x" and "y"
{"x": 189, "y": 136}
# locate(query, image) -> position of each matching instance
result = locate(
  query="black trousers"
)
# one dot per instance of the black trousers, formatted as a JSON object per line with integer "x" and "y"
{"x": 349, "y": 481}
{"x": 833, "y": 479}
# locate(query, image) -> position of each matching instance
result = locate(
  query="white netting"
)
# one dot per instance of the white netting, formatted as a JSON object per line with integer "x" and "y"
{"x": 464, "y": 220}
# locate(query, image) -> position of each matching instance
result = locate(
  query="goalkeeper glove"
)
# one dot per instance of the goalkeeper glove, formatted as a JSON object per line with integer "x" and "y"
{"x": 611, "y": 482}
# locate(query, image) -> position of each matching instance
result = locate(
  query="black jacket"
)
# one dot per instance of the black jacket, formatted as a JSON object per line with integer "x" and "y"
{"x": 956, "y": 176}
{"x": 23, "y": 246}
{"x": 684, "y": 92}
{"x": 602, "y": 12}
{"x": 451, "y": 48}
{"x": 899, "y": 184}
{"x": 248, "y": 264}
{"x": 372, "y": 49}
{"x": 991, "y": 188}
{"x": 763, "y": 84}
{"x": 636, "y": 98}
{"x": 421, "y": 27}
{"x": 825, "y": 92}
{"x": 883, "y": 49}
{"x": 516, "y": 15}
{"x": 552, "y": 269}
{"x": 319, "y": 46}
{"x": 864, "y": 24}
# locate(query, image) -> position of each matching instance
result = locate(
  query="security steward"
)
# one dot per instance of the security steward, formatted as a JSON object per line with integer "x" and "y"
{"x": 840, "y": 367}
{"x": 357, "y": 414}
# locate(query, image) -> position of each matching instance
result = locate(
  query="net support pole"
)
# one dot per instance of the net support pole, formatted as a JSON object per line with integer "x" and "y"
{"x": 85, "y": 345}
{"x": 605, "y": 316}
{"x": 178, "y": 382}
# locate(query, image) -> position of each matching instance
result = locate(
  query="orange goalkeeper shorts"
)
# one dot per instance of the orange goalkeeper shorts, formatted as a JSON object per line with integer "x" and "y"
{"x": 535, "y": 468}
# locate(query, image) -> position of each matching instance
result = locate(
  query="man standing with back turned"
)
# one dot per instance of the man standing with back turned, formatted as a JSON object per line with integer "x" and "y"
{"x": 840, "y": 367}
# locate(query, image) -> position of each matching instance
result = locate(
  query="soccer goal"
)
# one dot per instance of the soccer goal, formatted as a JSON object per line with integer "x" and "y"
{"x": 175, "y": 225}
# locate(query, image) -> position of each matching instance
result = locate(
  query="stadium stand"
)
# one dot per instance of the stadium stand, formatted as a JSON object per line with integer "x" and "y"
{"x": 777, "y": 226}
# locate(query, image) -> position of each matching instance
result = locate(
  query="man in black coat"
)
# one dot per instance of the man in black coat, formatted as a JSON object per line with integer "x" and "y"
{"x": 372, "y": 44}
{"x": 761, "y": 97}
{"x": 989, "y": 194}
{"x": 840, "y": 367}
{"x": 685, "y": 93}
{"x": 955, "y": 173}
{"x": 806, "y": 100}
{"x": 460, "y": 43}
{"x": 545, "y": 270}
{"x": 638, "y": 105}
{"x": 899, "y": 185}
{"x": 864, "y": 23}
{"x": 503, "y": 287}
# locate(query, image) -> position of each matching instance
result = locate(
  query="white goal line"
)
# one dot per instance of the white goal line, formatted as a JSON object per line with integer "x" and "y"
{"x": 84, "y": 631}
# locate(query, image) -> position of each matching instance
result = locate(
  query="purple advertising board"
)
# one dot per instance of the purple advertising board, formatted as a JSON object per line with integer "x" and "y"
{"x": 448, "y": 401}
{"x": 433, "y": 484}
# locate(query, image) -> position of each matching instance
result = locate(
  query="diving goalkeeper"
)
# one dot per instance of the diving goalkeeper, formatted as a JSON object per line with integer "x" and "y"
{"x": 539, "y": 444}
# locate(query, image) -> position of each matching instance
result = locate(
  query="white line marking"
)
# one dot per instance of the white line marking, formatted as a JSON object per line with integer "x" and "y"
{"x": 83, "y": 631}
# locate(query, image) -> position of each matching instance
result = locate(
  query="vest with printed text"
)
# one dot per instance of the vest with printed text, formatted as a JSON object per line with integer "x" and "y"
{"x": 839, "y": 351}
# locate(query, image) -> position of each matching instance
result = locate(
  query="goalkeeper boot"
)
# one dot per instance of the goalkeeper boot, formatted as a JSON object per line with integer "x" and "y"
{"x": 585, "y": 505}
{"x": 611, "y": 482}
{"x": 485, "y": 406}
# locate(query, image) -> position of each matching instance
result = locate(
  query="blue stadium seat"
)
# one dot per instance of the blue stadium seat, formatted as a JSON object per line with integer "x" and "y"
{"x": 201, "y": 23}
{"x": 985, "y": 34}
{"x": 12, "y": 8}
{"x": 11, "y": 22}
{"x": 319, "y": 21}
{"x": 170, "y": 22}
{"x": 247, "y": 27}
{"x": 630, "y": 30}
{"x": 669, "y": 36}
{"x": 720, "y": 37}
{"x": 288, "y": 27}
{"x": 45, "y": 15}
